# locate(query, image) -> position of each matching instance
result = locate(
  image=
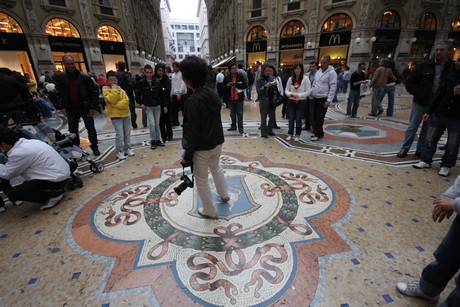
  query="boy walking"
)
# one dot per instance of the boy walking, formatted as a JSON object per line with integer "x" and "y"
{"x": 117, "y": 103}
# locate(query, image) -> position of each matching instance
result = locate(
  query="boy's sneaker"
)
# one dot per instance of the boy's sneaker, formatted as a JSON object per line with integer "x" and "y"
{"x": 289, "y": 138}
{"x": 53, "y": 201}
{"x": 314, "y": 138}
{"x": 2, "y": 209}
{"x": 121, "y": 155}
{"x": 413, "y": 289}
{"x": 296, "y": 139}
{"x": 421, "y": 164}
{"x": 18, "y": 202}
{"x": 130, "y": 152}
{"x": 160, "y": 143}
{"x": 444, "y": 171}
{"x": 153, "y": 145}
{"x": 207, "y": 215}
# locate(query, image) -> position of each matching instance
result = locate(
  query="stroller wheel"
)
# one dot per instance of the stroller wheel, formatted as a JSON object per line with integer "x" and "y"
{"x": 100, "y": 167}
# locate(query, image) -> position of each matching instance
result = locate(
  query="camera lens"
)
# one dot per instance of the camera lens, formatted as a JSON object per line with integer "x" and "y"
{"x": 180, "y": 188}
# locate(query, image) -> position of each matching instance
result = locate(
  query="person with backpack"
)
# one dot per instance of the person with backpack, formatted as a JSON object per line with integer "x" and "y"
{"x": 126, "y": 82}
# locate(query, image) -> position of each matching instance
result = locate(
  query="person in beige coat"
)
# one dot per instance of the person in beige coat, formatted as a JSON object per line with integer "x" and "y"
{"x": 381, "y": 77}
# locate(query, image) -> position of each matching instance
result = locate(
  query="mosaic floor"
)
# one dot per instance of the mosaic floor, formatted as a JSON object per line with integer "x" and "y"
{"x": 332, "y": 223}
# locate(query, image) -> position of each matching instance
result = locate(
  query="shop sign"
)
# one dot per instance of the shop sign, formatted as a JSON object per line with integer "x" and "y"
{"x": 13, "y": 41}
{"x": 257, "y": 46}
{"x": 65, "y": 44}
{"x": 294, "y": 42}
{"x": 335, "y": 38}
{"x": 108, "y": 47}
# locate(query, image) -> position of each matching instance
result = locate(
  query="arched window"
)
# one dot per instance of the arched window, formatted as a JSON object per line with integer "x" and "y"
{"x": 427, "y": 22}
{"x": 293, "y": 28}
{"x": 456, "y": 24}
{"x": 8, "y": 24}
{"x": 108, "y": 33}
{"x": 337, "y": 22}
{"x": 61, "y": 27}
{"x": 389, "y": 20}
{"x": 257, "y": 33}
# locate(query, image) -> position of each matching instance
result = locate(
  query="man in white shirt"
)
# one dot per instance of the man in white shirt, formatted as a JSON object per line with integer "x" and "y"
{"x": 220, "y": 85}
{"x": 178, "y": 94}
{"x": 44, "y": 170}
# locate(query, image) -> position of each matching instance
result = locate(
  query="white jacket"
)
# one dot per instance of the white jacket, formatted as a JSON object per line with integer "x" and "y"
{"x": 303, "y": 91}
{"x": 325, "y": 83}
{"x": 34, "y": 160}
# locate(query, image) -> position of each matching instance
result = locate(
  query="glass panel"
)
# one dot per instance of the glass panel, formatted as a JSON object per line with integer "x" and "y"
{"x": 338, "y": 22}
{"x": 18, "y": 61}
{"x": 292, "y": 6}
{"x": 256, "y": 4}
{"x": 61, "y": 27}
{"x": 293, "y": 28}
{"x": 389, "y": 20}
{"x": 256, "y": 13}
{"x": 78, "y": 57}
{"x": 456, "y": 24}
{"x": 57, "y": 2}
{"x": 109, "y": 33}
{"x": 257, "y": 33}
{"x": 8, "y": 24}
{"x": 427, "y": 22}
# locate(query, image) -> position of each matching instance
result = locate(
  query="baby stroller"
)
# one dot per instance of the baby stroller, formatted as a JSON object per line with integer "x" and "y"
{"x": 64, "y": 145}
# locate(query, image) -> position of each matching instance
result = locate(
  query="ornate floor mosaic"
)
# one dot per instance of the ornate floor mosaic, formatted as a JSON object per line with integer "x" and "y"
{"x": 277, "y": 215}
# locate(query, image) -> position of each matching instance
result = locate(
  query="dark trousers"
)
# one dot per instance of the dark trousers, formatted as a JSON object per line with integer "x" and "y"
{"x": 5, "y": 186}
{"x": 166, "y": 125}
{"x": 236, "y": 112}
{"x": 295, "y": 112}
{"x": 176, "y": 106}
{"x": 266, "y": 110}
{"x": 307, "y": 114}
{"x": 38, "y": 191}
{"x": 73, "y": 117}
{"x": 438, "y": 273}
{"x": 132, "y": 111}
{"x": 318, "y": 112}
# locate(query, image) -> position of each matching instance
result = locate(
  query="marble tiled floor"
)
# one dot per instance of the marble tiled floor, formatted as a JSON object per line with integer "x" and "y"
{"x": 335, "y": 223}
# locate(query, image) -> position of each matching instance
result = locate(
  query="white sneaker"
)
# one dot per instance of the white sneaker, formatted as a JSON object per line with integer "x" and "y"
{"x": 53, "y": 201}
{"x": 130, "y": 152}
{"x": 421, "y": 164}
{"x": 314, "y": 138}
{"x": 296, "y": 139}
{"x": 444, "y": 171}
{"x": 18, "y": 202}
{"x": 413, "y": 289}
{"x": 2, "y": 209}
{"x": 289, "y": 138}
{"x": 121, "y": 155}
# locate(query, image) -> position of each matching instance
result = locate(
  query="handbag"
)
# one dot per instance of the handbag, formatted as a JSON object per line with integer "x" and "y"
{"x": 277, "y": 100}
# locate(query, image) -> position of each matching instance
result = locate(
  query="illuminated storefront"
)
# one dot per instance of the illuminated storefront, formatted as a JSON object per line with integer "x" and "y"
{"x": 454, "y": 36}
{"x": 256, "y": 46}
{"x": 112, "y": 47}
{"x": 425, "y": 36}
{"x": 14, "y": 51}
{"x": 335, "y": 38}
{"x": 292, "y": 43}
{"x": 386, "y": 36}
{"x": 64, "y": 38}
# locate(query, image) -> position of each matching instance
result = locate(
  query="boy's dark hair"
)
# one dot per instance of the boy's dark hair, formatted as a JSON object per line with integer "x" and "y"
{"x": 231, "y": 65}
{"x": 111, "y": 73}
{"x": 147, "y": 66}
{"x": 194, "y": 70}
{"x": 121, "y": 65}
{"x": 8, "y": 136}
{"x": 160, "y": 65}
{"x": 240, "y": 66}
{"x": 175, "y": 64}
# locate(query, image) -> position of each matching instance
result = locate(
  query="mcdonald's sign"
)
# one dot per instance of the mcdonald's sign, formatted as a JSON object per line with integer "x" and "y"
{"x": 257, "y": 46}
{"x": 335, "y": 38}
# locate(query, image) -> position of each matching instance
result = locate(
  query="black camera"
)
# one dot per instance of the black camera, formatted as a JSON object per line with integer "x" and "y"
{"x": 186, "y": 181}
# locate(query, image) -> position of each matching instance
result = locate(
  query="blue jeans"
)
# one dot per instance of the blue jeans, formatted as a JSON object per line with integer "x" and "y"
{"x": 236, "y": 111}
{"x": 390, "y": 90}
{"x": 435, "y": 129}
{"x": 353, "y": 102}
{"x": 122, "y": 133}
{"x": 249, "y": 91}
{"x": 295, "y": 113}
{"x": 377, "y": 94}
{"x": 415, "y": 119}
{"x": 153, "y": 121}
{"x": 438, "y": 273}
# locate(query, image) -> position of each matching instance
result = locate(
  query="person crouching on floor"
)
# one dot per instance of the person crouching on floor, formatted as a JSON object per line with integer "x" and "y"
{"x": 44, "y": 170}
{"x": 203, "y": 136}
{"x": 117, "y": 102}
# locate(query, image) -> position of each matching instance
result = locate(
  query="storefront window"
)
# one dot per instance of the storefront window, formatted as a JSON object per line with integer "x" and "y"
{"x": 427, "y": 22}
{"x": 109, "y": 33}
{"x": 61, "y": 27}
{"x": 293, "y": 28}
{"x": 389, "y": 20}
{"x": 456, "y": 24}
{"x": 8, "y": 24}
{"x": 338, "y": 22}
{"x": 257, "y": 33}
